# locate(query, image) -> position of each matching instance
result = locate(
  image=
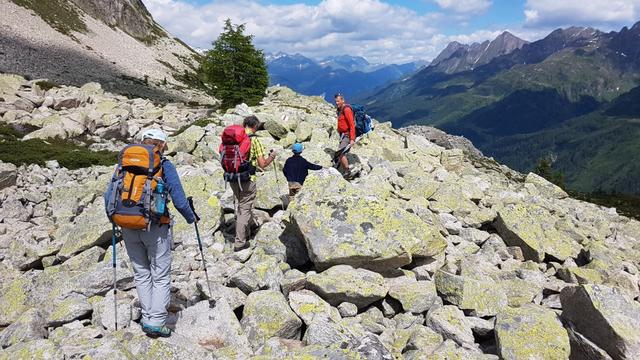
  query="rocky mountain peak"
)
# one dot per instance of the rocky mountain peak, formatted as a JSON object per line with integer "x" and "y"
{"x": 429, "y": 251}
{"x": 131, "y": 16}
{"x": 457, "y": 57}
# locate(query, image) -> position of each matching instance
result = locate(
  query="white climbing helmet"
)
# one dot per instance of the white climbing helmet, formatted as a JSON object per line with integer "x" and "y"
{"x": 155, "y": 134}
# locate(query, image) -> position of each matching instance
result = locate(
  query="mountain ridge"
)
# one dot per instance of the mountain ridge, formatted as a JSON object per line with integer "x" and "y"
{"x": 531, "y": 92}
{"x": 327, "y": 77}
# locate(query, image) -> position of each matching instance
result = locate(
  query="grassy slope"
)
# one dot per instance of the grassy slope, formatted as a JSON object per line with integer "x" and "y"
{"x": 595, "y": 152}
{"x": 36, "y": 151}
{"x": 60, "y": 14}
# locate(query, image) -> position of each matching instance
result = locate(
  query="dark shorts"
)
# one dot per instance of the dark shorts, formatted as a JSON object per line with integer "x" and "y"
{"x": 344, "y": 141}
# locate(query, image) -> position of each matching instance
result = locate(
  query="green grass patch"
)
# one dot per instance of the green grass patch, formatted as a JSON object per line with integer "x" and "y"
{"x": 37, "y": 151}
{"x": 46, "y": 85}
{"x": 59, "y": 14}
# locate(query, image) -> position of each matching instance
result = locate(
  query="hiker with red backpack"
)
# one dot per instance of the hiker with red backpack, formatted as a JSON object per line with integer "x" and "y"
{"x": 241, "y": 153}
{"x": 136, "y": 201}
{"x": 353, "y": 124}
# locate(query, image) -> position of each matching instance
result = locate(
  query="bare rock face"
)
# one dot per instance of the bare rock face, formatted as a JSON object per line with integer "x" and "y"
{"x": 129, "y": 15}
{"x": 8, "y": 175}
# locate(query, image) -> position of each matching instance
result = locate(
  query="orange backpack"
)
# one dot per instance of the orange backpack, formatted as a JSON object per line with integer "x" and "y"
{"x": 132, "y": 191}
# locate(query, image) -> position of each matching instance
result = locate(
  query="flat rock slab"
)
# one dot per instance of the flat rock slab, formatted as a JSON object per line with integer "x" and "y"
{"x": 605, "y": 315}
{"x": 344, "y": 224}
{"x": 531, "y": 332}
{"x": 342, "y": 283}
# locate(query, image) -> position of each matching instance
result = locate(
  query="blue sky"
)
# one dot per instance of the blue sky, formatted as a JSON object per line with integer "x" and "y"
{"x": 392, "y": 31}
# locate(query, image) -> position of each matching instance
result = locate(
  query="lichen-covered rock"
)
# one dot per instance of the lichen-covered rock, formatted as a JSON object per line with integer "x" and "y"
{"x": 14, "y": 300}
{"x": 66, "y": 310}
{"x": 606, "y": 316}
{"x": 545, "y": 187}
{"x": 342, "y": 225}
{"x": 342, "y": 283}
{"x": 212, "y": 327}
{"x": 267, "y": 314}
{"x": 202, "y": 187}
{"x": 448, "y": 350}
{"x": 260, "y": 272}
{"x": 415, "y": 296}
{"x": 275, "y": 129}
{"x": 104, "y": 312}
{"x": 324, "y": 331}
{"x": 272, "y": 187}
{"x": 482, "y": 298}
{"x": 520, "y": 292}
{"x": 423, "y": 340}
{"x": 29, "y": 326}
{"x": 8, "y": 175}
{"x": 89, "y": 229}
{"x": 309, "y": 307}
{"x": 303, "y": 131}
{"x": 531, "y": 332}
{"x": 42, "y": 349}
{"x": 347, "y": 309}
{"x": 187, "y": 140}
{"x": 293, "y": 280}
{"x": 449, "y": 321}
{"x": 532, "y": 228}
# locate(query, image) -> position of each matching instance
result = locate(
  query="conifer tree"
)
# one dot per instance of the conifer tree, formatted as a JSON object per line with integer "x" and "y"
{"x": 234, "y": 69}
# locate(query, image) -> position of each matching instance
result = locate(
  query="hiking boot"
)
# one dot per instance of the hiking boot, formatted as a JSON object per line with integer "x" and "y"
{"x": 237, "y": 248}
{"x": 156, "y": 331}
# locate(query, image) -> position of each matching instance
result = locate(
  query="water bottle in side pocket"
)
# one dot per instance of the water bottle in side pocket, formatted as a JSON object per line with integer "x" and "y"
{"x": 160, "y": 203}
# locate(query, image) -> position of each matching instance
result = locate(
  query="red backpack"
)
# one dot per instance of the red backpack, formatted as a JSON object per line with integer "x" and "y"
{"x": 234, "y": 154}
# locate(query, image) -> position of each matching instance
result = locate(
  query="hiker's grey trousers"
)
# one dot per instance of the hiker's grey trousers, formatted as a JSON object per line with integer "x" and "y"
{"x": 150, "y": 254}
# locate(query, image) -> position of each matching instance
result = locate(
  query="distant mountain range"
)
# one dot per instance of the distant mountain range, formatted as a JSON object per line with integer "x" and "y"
{"x": 572, "y": 96}
{"x": 350, "y": 75}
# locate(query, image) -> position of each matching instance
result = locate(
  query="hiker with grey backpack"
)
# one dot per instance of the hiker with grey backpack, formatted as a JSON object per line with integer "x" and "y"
{"x": 136, "y": 201}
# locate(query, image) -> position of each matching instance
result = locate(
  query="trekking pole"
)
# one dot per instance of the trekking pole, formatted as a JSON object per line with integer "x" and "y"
{"x": 204, "y": 262}
{"x": 275, "y": 170}
{"x": 113, "y": 261}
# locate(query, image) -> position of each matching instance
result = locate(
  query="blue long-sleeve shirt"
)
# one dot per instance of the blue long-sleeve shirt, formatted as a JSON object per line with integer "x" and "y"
{"x": 296, "y": 169}
{"x": 180, "y": 202}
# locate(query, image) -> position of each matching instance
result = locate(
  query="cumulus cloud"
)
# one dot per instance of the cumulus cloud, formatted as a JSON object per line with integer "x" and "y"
{"x": 608, "y": 14}
{"x": 372, "y": 28}
{"x": 464, "y": 6}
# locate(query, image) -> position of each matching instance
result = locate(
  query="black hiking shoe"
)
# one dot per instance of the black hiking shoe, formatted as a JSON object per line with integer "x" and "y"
{"x": 156, "y": 331}
{"x": 237, "y": 248}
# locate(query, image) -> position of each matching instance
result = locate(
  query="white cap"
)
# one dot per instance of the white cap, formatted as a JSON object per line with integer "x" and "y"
{"x": 155, "y": 134}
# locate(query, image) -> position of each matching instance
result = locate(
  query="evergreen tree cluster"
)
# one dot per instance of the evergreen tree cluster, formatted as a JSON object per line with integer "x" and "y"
{"x": 234, "y": 69}
{"x": 544, "y": 169}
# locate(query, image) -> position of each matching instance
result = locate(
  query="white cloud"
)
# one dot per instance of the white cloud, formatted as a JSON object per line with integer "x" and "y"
{"x": 371, "y": 28}
{"x": 464, "y": 6}
{"x": 606, "y": 14}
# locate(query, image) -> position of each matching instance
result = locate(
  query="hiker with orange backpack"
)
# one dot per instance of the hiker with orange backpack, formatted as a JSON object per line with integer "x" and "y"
{"x": 136, "y": 200}
{"x": 241, "y": 153}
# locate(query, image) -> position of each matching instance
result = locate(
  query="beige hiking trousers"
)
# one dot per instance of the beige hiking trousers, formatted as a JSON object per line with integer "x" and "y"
{"x": 245, "y": 194}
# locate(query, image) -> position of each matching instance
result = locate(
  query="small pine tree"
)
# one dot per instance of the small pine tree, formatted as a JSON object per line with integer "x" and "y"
{"x": 543, "y": 168}
{"x": 234, "y": 69}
